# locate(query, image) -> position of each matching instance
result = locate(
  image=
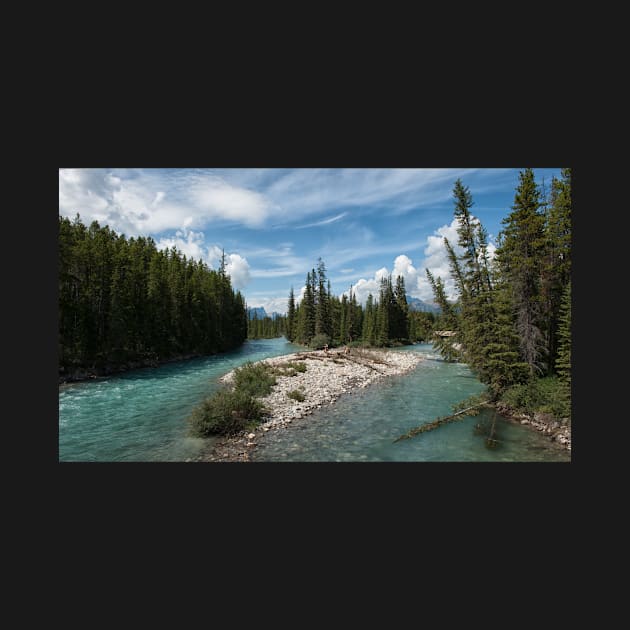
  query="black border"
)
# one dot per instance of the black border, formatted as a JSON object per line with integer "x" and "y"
{"x": 304, "y": 139}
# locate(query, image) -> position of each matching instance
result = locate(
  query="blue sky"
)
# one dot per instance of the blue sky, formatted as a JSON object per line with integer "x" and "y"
{"x": 275, "y": 223}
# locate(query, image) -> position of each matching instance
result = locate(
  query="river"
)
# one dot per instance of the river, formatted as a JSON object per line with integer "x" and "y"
{"x": 141, "y": 416}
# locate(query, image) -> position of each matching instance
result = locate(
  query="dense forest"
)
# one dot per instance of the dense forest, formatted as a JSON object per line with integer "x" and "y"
{"x": 323, "y": 318}
{"x": 122, "y": 301}
{"x": 512, "y": 316}
{"x": 266, "y": 327}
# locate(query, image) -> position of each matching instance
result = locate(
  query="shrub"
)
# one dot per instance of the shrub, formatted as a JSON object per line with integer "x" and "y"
{"x": 288, "y": 369}
{"x": 225, "y": 413}
{"x": 298, "y": 367}
{"x": 319, "y": 341}
{"x": 255, "y": 380}
{"x": 544, "y": 395}
{"x": 296, "y": 395}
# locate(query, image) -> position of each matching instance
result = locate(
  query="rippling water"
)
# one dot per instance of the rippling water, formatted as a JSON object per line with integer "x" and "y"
{"x": 362, "y": 426}
{"x": 141, "y": 416}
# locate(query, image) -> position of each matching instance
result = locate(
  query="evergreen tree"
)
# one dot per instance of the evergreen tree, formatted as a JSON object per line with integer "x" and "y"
{"x": 563, "y": 362}
{"x": 556, "y": 265}
{"x": 291, "y": 321}
{"x": 519, "y": 257}
{"x": 401, "y": 310}
{"x": 369, "y": 322}
{"x": 123, "y": 300}
{"x": 343, "y": 320}
{"x": 323, "y": 320}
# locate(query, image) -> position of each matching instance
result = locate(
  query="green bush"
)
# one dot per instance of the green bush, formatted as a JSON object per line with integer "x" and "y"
{"x": 319, "y": 341}
{"x": 225, "y": 413}
{"x": 296, "y": 395}
{"x": 543, "y": 395}
{"x": 255, "y": 380}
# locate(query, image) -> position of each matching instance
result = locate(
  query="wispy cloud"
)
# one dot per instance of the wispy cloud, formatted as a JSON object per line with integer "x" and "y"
{"x": 323, "y": 221}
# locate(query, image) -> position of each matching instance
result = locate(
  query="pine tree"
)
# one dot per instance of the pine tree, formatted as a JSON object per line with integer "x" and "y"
{"x": 402, "y": 310}
{"x": 563, "y": 362}
{"x": 343, "y": 320}
{"x": 519, "y": 257}
{"x": 291, "y": 317}
{"x": 556, "y": 264}
{"x": 323, "y": 321}
{"x": 369, "y": 322}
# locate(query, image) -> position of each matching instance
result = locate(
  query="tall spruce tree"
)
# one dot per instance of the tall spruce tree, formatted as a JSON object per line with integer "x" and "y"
{"x": 369, "y": 322}
{"x": 556, "y": 264}
{"x": 291, "y": 323}
{"x": 520, "y": 258}
{"x": 323, "y": 319}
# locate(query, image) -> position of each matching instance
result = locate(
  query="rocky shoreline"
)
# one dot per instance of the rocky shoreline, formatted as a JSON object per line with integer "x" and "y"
{"x": 328, "y": 375}
{"x": 556, "y": 430}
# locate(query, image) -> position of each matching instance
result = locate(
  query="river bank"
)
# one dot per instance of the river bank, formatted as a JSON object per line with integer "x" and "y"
{"x": 328, "y": 376}
{"x": 80, "y": 374}
{"x": 556, "y": 430}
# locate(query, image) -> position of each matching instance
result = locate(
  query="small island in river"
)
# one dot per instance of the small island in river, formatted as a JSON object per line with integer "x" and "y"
{"x": 328, "y": 375}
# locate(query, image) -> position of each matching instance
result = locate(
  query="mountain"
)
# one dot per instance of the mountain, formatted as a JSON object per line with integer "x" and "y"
{"x": 259, "y": 311}
{"x": 416, "y": 304}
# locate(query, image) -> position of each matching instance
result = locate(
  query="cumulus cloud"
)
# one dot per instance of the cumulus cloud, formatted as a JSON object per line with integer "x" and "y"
{"x": 192, "y": 245}
{"x": 237, "y": 268}
{"x": 416, "y": 283}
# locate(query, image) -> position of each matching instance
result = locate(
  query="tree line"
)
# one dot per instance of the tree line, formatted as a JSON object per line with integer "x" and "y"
{"x": 123, "y": 300}
{"x": 512, "y": 315}
{"x": 323, "y": 318}
{"x": 266, "y": 327}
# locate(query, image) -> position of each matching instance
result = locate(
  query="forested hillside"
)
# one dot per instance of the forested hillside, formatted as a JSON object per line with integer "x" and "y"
{"x": 123, "y": 301}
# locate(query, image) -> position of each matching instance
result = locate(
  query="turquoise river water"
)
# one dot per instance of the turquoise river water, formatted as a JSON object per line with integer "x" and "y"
{"x": 141, "y": 416}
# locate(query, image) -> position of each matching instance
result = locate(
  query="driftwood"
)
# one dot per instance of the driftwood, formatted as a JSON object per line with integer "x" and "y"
{"x": 492, "y": 441}
{"x": 338, "y": 356}
{"x": 437, "y": 423}
{"x": 356, "y": 360}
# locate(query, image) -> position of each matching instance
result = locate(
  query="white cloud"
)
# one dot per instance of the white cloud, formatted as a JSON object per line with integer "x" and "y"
{"x": 270, "y": 304}
{"x": 416, "y": 282}
{"x": 150, "y": 202}
{"x": 237, "y": 268}
{"x": 324, "y": 221}
{"x": 192, "y": 244}
{"x": 220, "y": 199}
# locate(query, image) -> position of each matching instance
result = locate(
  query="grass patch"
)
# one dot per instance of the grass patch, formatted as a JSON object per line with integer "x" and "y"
{"x": 225, "y": 413}
{"x": 296, "y": 394}
{"x": 290, "y": 368}
{"x": 254, "y": 379}
{"x": 230, "y": 411}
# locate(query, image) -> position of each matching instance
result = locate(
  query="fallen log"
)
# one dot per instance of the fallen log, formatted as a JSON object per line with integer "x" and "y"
{"x": 437, "y": 423}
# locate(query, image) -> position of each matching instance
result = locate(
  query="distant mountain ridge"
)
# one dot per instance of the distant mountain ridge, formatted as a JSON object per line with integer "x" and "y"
{"x": 416, "y": 304}
{"x": 259, "y": 312}
{"x": 256, "y": 311}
